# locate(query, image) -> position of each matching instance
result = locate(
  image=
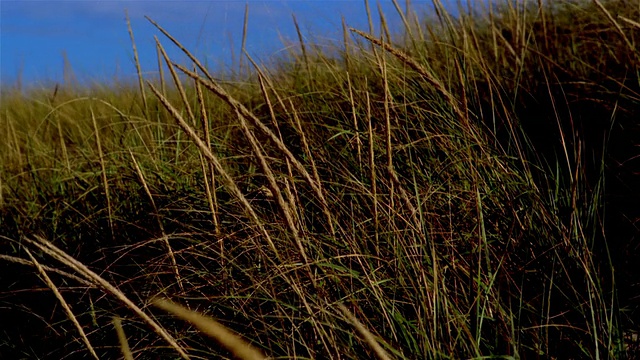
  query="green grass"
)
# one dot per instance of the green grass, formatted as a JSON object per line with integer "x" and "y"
{"x": 464, "y": 189}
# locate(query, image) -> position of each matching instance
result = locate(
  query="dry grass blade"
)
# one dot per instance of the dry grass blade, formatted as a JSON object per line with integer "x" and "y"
{"x": 617, "y": 26}
{"x": 122, "y": 338}
{"x": 244, "y": 34}
{"x": 382, "y": 64}
{"x": 417, "y": 67}
{"x": 263, "y": 88}
{"x": 372, "y": 174}
{"x": 17, "y": 260}
{"x": 405, "y": 22}
{"x": 273, "y": 186}
{"x": 204, "y": 149}
{"x": 63, "y": 303}
{"x": 265, "y": 83}
{"x": 355, "y": 121}
{"x": 220, "y": 92}
{"x": 179, "y": 45}
{"x": 241, "y": 109}
{"x": 347, "y": 50}
{"x": 208, "y": 171}
{"x": 165, "y": 238}
{"x": 163, "y": 84}
{"x": 366, "y": 334}
{"x": 303, "y": 48}
{"x": 407, "y": 201}
{"x": 177, "y": 82}
{"x": 53, "y": 251}
{"x": 137, "y": 62}
{"x": 383, "y": 24}
{"x": 629, "y": 21}
{"x": 105, "y": 182}
{"x": 227, "y": 338}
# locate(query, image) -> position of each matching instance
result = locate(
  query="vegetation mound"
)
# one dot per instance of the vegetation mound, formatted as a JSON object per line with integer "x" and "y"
{"x": 466, "y": 189}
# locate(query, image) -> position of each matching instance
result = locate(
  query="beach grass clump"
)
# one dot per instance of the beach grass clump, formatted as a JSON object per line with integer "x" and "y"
{"x": 462, "y": 189}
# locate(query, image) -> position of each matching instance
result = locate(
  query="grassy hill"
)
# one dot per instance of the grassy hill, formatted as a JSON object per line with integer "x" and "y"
{"x": 466, "y": 188}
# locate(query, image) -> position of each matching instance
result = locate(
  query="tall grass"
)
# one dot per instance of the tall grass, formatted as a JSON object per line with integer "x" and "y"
{"x": 449, "y": 192}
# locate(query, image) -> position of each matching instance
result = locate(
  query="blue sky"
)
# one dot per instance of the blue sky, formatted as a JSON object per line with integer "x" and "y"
{"x": 94, "y": 37}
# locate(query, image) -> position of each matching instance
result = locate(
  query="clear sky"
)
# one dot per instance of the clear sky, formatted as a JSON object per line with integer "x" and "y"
{"x": 94, "y": 38}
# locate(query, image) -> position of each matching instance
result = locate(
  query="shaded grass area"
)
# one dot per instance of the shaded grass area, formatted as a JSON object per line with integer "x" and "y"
{"x": 465, "y": 189}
